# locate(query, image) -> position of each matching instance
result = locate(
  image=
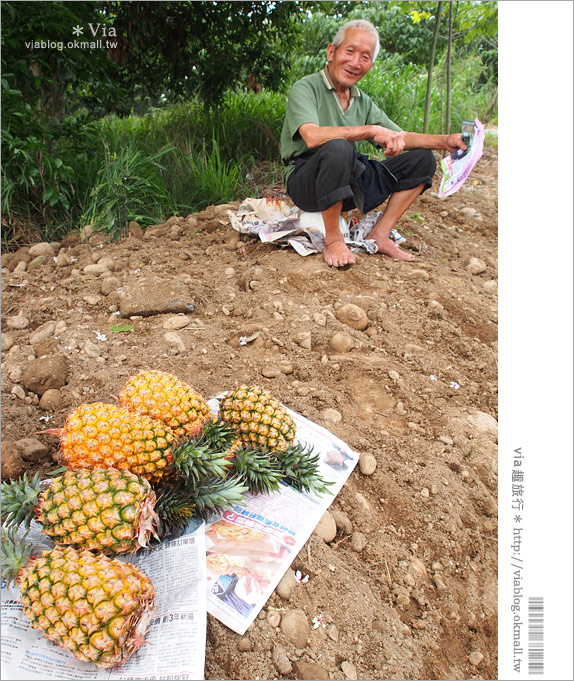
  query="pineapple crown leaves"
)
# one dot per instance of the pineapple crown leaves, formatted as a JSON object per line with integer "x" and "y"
{"x": 19, "y": 500}
{"x": 260, "y": 472}
{"x": 217, "y": 434}
{"x": 198, "y": 461}
{"x": 215, "y": 495}
{"x": 15, "y": 552}
{"x": 175, "y": 508}
{"x": 300, "y": 469}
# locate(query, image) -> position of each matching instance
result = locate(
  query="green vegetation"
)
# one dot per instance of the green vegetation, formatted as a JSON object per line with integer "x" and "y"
{"x": 185, "y": 109}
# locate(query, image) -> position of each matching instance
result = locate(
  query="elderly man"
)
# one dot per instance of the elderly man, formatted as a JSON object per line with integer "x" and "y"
{"x": 326, "y": 116}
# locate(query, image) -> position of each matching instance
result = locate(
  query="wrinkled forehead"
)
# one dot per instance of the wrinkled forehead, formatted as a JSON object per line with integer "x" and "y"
{"x": 359, "y": 40}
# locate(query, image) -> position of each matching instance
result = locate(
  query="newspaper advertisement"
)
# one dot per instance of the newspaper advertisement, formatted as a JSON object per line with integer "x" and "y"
{"x": 275, "y": 221}
{"x": 249, "y": 548}
{"x": 174, "y": 645}
{"x": 457, "y": 166}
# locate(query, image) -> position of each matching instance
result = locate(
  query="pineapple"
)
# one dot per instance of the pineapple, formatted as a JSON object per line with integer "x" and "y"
{"x": 99, "y": 435}
{"x": 95, "y": 606}
{"x": 258, "y": 419}
{"x": 103, "y": 510}
{"x": 165, "y": 397}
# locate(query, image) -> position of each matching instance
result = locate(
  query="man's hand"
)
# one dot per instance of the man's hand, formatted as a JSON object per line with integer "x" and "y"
{"x": 391, "y": 141}
{"x": 454, "y": 142}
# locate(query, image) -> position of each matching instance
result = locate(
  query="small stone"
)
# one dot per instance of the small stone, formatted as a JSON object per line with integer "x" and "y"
{"x": 304, "y": 340}
{"x": 342, "y": 521}
{"x": 286, "y": 367}
{"x": 175, "y": 341}
{"x": 310, "y": 671}
{"x": 446, "y": 440}
{"x": 353, "y": 316}
{"x": 42, "y": 333}
{"x": 17, "y": 322}
{"x": 476, "y": 266}
{"x": 475, "y": 658}
{"x": 32, "y": 449}
{"x": 109, "y": 285}
{"x": 490, "y": 286}
{"x": 270, "y": 371}
{"x": 229, "y": 272}
{"x": 349, "y": 670}
{"x": 281, "y": 661}
{"x": 490, "y": 507}
{"x": 274, "y": 618}
{"x": 341, "y": 342}
{"x": 42, "y": 248}
{"x": 286, "y": 585}
{"x": 333, "y": 632}
{"x": 13, "y": 465}
{"x": 331, "y": 415}
{"x": 244, "y": 645}
{"x": 440, "y": 585}
{"x": 45, "y": 373}
{"x": 367, "y": 464}
{"x": 483, "y": 422}
{"x": 19, "y": 391}
{"x": 91, "y": 349}
{"x": 320, "y": 319}
{"x": 96, "y": 268}
{"x": 6, "y": 342}
{"x": 295, "y": 627}
{"x": 326, "y": 527}
{"x": 425, "y": 493}
{"x": 358, "y": 541}
{"x": 176, "y": 322}
{"x": 394, "y": 375}
{"x": 51, "y": 400}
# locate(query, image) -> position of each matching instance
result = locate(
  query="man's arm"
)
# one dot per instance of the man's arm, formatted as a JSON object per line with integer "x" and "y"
{"x": 418, "y": 140}
{"x": 316, "y": 135}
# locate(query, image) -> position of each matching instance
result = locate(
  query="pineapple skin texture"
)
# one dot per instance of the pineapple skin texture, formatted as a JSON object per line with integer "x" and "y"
{"x": 167, "y": 398}
{"x": 96, "y": 607}
{"x": 102, "y": 510}
{"x": 258, "y": 418}
{"x": 100, "y": 435}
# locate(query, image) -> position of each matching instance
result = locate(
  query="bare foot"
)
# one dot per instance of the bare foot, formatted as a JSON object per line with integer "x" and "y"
{"x": 337, "y": 254}
{"x": 388, "y": 247}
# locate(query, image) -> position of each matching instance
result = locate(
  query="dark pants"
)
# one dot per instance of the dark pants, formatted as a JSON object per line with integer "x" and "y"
{"x": 336, "y": 172}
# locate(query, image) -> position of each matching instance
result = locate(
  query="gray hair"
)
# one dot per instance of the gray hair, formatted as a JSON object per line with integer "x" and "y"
{"x": 358, "y": 25}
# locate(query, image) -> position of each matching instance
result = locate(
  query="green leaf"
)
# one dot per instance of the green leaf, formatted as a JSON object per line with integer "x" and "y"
{"x": 122, "y": 328}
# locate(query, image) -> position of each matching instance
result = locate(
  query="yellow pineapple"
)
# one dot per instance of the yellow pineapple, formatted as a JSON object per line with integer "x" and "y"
{"x": 95, "y": 606}
{"x": 165, "y": 397}
{"x": 258, "y": 418}
{"x": 102, "y": 510}
{"x": 100, "y": 435}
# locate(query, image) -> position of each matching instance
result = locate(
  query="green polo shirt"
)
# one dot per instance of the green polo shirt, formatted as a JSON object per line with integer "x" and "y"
{"x": 313, "y": 99}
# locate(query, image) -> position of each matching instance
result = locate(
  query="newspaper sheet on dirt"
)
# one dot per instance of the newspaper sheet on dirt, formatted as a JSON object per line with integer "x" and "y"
{"x": 275, "y": 221}
{"x": 175, "y": 642}
{"x": 250, "y": 548}
{"x": 457, "y": 166}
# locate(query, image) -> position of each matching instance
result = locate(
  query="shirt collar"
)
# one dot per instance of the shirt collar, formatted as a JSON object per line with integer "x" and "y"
{"x": 355, "y": 92}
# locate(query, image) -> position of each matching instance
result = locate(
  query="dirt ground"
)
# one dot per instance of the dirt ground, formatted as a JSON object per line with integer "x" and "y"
{"x": 408, "y": 587}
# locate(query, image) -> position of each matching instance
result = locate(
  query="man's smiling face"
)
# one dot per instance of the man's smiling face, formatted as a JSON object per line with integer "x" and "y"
{"x": 349, "y": 62}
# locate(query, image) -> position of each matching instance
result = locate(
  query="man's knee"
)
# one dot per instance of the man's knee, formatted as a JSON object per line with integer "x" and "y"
{"x": 337, "y": 151}
{"x": 427, "y": 161}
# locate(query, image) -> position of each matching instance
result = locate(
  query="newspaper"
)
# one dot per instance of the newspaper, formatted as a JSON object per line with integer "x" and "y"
{"x": 174, "y": 644}
{"x": 457, "y": 166}
{"x": 275, "y": 221}
{"x": 249, "y": 549}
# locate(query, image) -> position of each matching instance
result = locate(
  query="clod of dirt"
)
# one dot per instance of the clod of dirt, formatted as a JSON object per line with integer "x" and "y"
{"x": 45, "y": 373}
{"x": 353, "y": 316}
{"x": 13, "y": 465}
